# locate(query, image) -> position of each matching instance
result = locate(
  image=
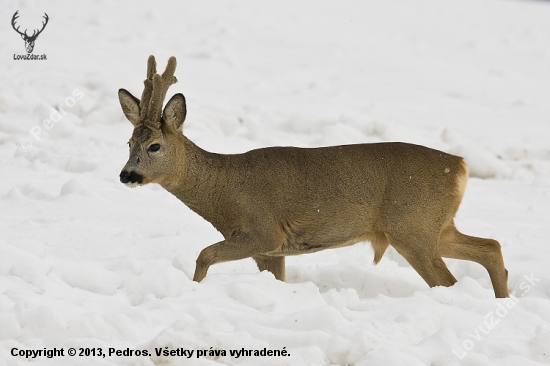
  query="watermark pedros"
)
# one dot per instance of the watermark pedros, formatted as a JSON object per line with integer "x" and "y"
{"x": 56, "y": 115}
{"x": 29, "y": 39}
{"x": 492, "y": 318}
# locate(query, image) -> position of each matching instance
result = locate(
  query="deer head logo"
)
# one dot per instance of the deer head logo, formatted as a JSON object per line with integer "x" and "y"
{"x": 29, "y": 40}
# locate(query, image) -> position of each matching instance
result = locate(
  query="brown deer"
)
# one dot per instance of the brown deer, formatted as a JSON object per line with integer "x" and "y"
{"x": 273, "y": 202}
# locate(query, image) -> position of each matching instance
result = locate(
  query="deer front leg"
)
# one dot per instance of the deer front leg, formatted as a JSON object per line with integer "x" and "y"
{"x": 237, "y": 247}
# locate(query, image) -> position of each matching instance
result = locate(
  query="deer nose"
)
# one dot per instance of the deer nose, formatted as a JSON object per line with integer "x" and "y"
{"x": 130, "y": 177}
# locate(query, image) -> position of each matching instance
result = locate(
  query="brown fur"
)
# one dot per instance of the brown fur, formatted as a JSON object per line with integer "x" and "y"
{"x": 278, "y": 201}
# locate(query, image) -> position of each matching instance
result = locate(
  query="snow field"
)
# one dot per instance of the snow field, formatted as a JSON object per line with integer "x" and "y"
{"x": 86, "y": 262}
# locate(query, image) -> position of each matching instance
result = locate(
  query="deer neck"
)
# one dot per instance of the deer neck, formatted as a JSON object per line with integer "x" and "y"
{"x": 196, "y": 174}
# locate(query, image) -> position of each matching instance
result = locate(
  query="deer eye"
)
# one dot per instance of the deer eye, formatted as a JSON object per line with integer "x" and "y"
{"x": 154, "y": 147}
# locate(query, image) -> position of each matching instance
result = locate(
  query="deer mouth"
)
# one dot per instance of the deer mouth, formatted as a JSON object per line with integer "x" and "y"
{"x": 131, "y": 178}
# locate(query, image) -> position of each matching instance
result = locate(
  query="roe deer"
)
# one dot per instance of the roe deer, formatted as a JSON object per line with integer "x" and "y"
{"x": 277, "y": 201}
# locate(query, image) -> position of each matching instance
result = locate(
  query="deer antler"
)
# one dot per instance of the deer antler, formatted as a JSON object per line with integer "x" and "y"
{"x": 15, "y": 16}
{"x": 34, "y": 34}
{"x": 155, "y": 89}
{"x": 148, "y": 87}
{"x": 43, "y": 26}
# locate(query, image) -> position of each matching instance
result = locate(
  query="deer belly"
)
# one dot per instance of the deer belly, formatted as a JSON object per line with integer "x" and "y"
{"x": 301, "y": 238}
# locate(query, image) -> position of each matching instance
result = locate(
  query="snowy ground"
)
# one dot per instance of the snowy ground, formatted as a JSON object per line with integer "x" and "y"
{"x": 86, "y": 262}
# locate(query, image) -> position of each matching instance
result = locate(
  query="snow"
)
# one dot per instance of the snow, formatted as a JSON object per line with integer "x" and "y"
{"x": 89, "y": 263}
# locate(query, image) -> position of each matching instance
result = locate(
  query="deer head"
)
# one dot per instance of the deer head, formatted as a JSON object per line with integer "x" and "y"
{"x": 29, "y": 40}
{"x": 154, "y": 142}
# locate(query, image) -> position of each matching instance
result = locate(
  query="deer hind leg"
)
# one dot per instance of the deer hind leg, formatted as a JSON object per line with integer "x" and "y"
{"x": 275, "y": 265}
{"x": 454, "y": 244}
{"x": 421, "y": 253}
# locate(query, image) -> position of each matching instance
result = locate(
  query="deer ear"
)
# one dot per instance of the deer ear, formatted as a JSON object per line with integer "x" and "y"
{"x": 175, "y": 111}
{"x": 130, "y": 106}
